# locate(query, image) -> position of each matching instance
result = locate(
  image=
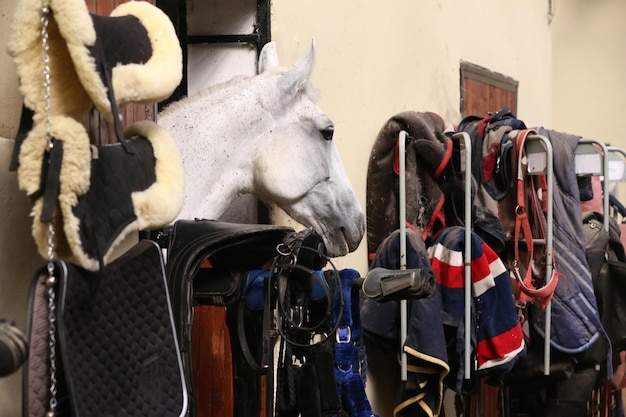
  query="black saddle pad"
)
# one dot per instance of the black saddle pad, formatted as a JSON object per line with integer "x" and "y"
{"x": 117, "y": 350}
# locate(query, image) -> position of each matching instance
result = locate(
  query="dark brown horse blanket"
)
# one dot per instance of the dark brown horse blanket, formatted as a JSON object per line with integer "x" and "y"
{"x": 428, "y": 151}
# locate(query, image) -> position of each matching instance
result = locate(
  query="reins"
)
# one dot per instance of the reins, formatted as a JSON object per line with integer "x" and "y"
{"x": 287, "y": 298}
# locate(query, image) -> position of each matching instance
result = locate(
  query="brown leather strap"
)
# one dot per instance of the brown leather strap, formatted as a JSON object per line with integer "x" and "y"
{"x": 523, "y": 228}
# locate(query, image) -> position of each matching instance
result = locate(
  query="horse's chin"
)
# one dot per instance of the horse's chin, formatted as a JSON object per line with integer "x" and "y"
{"x": 337, "y": 247}
{"x": 338, "y": 244}
{"x": 340, "y": 238}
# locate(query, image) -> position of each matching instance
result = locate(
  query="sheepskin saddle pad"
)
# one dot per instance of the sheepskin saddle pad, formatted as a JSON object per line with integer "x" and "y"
{"x": 96, "y": 195}
{"x": 136, "y": 48}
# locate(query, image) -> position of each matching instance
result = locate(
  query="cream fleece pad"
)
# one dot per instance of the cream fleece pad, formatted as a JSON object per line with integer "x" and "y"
{"x": 152, "y": 207}
{"x": 137, "y": 42}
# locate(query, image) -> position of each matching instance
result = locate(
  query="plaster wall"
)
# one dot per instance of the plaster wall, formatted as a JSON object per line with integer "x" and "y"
{"x": 373, "y": 62}
{"x": 589, "y": 80}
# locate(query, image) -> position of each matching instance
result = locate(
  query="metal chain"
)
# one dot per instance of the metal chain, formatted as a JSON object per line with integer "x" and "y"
{"x": 52, "y": 334}
{"x": 51, "y": 280}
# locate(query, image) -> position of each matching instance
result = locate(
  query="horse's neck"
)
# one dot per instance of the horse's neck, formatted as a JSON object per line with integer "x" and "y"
{"x": 215, "y": 140}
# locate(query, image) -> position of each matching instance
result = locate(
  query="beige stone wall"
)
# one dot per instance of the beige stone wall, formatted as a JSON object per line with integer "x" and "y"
{"x": 589, "y": 78}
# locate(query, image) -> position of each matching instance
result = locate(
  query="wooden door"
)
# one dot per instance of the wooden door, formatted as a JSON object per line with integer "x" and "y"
{"x": 211, "y": 362}
{"x": 485, "y": 91}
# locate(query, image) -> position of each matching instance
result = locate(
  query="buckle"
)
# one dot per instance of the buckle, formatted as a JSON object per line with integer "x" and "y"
{"x": 343, "y": 335}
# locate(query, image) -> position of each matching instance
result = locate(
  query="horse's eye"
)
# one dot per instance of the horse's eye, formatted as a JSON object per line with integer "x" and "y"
{"x": 327, "y": 133}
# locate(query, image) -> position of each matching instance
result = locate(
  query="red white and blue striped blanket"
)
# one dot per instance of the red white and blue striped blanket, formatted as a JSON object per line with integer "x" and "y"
{"x": 498, "y": 334}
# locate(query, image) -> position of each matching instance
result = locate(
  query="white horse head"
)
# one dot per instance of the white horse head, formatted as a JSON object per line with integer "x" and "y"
{"x": 265, "y": 135}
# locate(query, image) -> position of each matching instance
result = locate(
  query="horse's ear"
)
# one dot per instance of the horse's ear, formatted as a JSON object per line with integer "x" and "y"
{"x": 268, "y": 58}
{"x": 300, "y": 72}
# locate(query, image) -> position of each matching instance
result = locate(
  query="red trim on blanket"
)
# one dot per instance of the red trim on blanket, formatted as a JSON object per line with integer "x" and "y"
{"x": 437, "y": 215}
{"x": 440, "y": 168}
{"x": 415, "y": 229}
{"x": 482, "y": 125}
{"x": 499, "y": 346}
{"x": 446, "y": 159}
{"x": 396, "y": 162}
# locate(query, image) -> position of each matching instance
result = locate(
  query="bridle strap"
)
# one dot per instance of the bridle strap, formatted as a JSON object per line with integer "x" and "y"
{"x": 523, "y": 228}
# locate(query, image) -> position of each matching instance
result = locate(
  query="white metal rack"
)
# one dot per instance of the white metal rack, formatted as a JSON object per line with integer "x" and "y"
{"x": 616, "y": 168}
{"x": 466, "y": 150}
{"x": 592, "y": 158}
{"x": 541, "y": 162}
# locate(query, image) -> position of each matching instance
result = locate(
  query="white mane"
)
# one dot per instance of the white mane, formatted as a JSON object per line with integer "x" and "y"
{"x": 208, "y": 92}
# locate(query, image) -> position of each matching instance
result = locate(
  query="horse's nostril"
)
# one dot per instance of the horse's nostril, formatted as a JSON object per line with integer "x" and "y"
{"x": 327, "y": 133}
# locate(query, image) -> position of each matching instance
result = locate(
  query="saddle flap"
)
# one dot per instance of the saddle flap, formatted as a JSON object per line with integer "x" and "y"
{"x": 224, "y": 245}
{"x": 216, "y": 286}
{"x": 216, "y": 254}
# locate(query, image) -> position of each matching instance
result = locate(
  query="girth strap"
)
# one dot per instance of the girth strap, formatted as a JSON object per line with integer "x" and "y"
{"x": 117, "y": 123}
{"x": 268, "y": 337}
{"x": 50, "y": 180}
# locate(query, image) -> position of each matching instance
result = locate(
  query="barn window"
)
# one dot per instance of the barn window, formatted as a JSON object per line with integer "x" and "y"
{"x": 220, "y": 39}
{"x": 485, "y": 91}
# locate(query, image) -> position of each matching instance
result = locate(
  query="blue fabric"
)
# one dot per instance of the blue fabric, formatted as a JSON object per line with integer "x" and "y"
{"x": 497, "y": 337}
{"x": 348, "y": 355}
{"x": 255, "y": 293}
{"x": 422, "y": 394}
{"x": 575, "y": 318}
